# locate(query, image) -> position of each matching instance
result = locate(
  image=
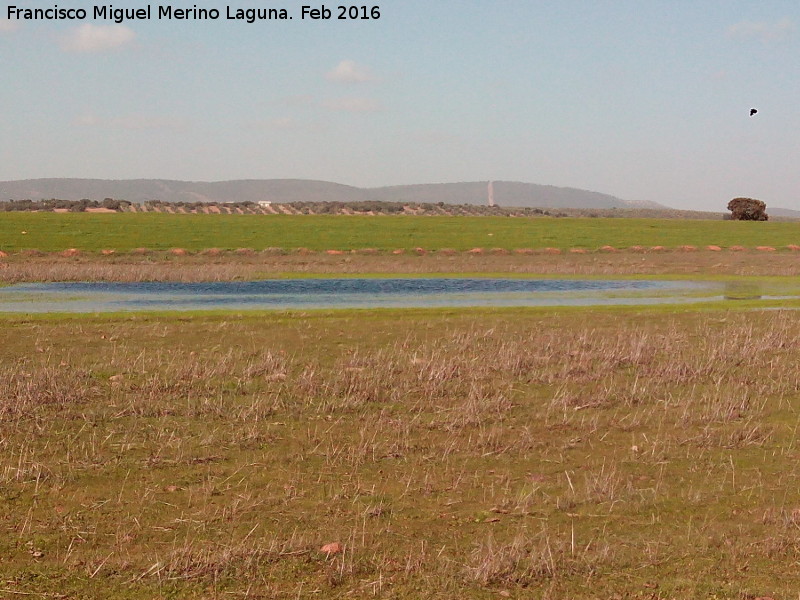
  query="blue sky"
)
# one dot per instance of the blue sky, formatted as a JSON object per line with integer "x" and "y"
{"x": 645, "y": 100}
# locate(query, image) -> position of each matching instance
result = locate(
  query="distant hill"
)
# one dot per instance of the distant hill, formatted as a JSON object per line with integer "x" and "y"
{"x": 783, "y": 212}
{"x": 506, "y": 193}
{"x": 140, "y": 190}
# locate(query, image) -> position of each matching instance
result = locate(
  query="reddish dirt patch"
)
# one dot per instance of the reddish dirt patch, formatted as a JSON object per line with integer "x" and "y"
{"x": 332, "y": 548}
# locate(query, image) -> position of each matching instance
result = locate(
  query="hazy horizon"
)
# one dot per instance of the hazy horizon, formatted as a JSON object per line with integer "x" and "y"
{"x": 642, "y": 101}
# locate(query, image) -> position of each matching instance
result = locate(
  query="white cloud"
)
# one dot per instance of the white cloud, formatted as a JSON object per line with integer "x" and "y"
{"x": 7, "y": 26}
{"x": 353, "y": 104}
{"x": 766, "y": 32}
{"x": 97, "y": 38}
{"x": 348, "y": 71}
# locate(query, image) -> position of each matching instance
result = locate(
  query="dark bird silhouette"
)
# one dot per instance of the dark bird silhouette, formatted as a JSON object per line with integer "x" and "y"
{"x": 753, "y": 111}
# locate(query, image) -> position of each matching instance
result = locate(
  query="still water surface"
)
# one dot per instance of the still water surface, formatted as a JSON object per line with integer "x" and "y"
{"x": 335, "y": 293}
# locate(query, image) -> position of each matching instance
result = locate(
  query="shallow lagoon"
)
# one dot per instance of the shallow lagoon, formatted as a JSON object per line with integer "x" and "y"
{"x": 338, "y": 293}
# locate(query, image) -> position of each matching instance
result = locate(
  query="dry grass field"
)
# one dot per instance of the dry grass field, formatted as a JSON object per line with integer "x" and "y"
{"x": 249, "y": 265}
{"x": 440, "y": 454}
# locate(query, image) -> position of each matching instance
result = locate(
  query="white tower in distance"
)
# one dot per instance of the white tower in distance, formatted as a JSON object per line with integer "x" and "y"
{"x": 491, "y": 193}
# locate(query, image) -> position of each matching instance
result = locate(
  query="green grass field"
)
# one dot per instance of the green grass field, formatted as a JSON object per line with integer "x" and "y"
{"x": 93, "y": 232}
{"x": 638, "y": 453}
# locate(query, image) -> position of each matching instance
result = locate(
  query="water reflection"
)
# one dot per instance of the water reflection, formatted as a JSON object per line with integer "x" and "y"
{"x": 743, "y": 290}
{"x": 336, "y": 293}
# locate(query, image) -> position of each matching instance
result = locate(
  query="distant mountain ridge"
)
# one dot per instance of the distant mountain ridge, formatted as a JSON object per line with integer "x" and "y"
{"x": 783, "y": 212}
{"x": 506, "y": 193}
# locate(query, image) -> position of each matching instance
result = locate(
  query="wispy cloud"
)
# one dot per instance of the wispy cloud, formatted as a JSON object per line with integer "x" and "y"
{"x": 310, "y": 105}
{"x": 97, "y": 38}
{"x": 435, "y": 137}
{"x": 149, "y": 122}
{"x": 285, "y": 124}
{"x": 86, "y": 120}
{"x": 8, "y": 26}
{"x": 134, "y": 122}
{"x": 760, "y": 30}
{"x": 282, "y": 123}
{"x": 719, "y": 75}
{"x": 349, "y": 71}
{"x": 353, "y": 104}
{"x": 297, "y": 101}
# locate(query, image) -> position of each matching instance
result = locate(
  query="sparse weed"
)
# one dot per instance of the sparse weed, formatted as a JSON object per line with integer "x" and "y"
{"x": 463, "y": 455}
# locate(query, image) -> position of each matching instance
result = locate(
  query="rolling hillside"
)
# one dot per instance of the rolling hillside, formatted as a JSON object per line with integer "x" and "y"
{"x": 506, "y": 193}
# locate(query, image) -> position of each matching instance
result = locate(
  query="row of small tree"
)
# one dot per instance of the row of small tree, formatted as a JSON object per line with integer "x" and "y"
{"x": 198, "y": 205}
{"x": 58, "y": 204}
{"x": 742, "y": 209}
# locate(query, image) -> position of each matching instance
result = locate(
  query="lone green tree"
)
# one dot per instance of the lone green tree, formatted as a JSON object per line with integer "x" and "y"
{"x": 748, "y": 209}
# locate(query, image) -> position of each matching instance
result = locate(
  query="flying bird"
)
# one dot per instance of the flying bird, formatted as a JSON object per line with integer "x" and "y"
{"x": 753, "y": 111}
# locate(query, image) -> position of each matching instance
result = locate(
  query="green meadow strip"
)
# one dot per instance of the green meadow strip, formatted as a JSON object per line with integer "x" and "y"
{"x": 52, "y": 232}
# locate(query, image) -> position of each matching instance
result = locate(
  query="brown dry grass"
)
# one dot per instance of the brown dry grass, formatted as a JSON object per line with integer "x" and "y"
{"x": 214, "y": 266}
{"x": 555, "y": 455}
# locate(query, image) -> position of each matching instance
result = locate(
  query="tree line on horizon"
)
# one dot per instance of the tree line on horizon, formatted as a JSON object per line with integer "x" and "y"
{"x": 57, "y": 204}
{"x": 741, "y": 209}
